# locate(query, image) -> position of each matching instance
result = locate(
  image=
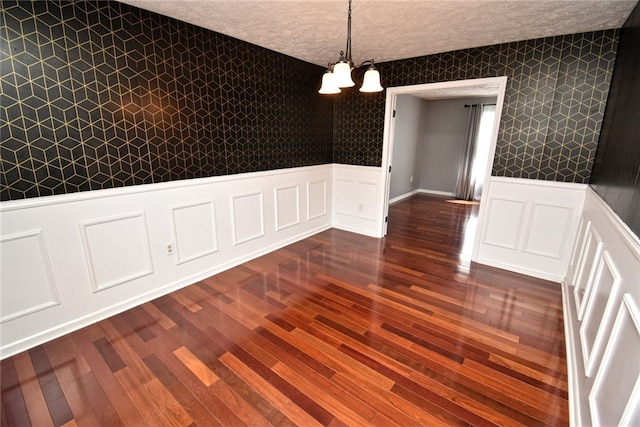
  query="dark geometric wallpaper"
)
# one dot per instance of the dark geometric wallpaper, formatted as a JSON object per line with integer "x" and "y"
{"x": 99, "y": 95}
{"x": 554, "y": 103}
{"x": 616, "y": 171}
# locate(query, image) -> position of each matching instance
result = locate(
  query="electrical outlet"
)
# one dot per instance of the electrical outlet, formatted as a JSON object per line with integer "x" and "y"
{"x": 411, "y": 179}
{"x": 169, "y": 249}
{"x": 360, "y": 207}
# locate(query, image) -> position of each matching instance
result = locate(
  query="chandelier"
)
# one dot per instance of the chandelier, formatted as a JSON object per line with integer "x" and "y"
{"x": 338, "y": 74}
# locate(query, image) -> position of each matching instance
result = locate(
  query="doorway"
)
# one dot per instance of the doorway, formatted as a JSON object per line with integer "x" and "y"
{"x": 488, "y": 87}
{"x": 437, "y": 150}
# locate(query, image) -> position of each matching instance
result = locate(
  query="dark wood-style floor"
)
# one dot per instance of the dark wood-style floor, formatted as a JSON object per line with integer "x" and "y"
{"x": 338, "y": 329}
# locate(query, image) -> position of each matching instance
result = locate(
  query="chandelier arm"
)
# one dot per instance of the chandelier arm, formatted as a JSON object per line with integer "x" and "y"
{"x": 367, "y": 62}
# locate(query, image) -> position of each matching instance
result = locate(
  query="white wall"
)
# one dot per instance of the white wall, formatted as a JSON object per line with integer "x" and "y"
{"x": 601, "y": 296}
{"x": 68, "y": 261}
{"x": 409, "y": 133}
{"x": 445, "y": 124}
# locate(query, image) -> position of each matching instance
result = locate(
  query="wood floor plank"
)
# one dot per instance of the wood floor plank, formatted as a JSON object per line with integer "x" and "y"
{"x": 325, "y": 398}
{"x": 196, "y": 366}
{"x": 138, "y": 396}
{"x": 68, "y": 370}
{"x": 269, "y": 392}
{"x": 105, "y": 380}
{"x": 14, "y": 406}
{"x": 53, "y": 395}
{"x": 28, "y": 382}
{"x": 334, "y": 330}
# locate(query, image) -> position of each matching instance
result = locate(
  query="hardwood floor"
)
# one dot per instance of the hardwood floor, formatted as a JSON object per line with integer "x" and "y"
{"x": 337, "y": 329}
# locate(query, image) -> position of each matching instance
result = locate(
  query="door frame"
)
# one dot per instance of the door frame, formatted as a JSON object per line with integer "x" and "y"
{"x": 490, "y": 86}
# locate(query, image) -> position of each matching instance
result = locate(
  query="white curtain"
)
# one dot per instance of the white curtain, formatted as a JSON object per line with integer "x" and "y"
{"x": 465, "y": 186}
{"x": 473, "y": 163}
{"x": 483, "y": 143}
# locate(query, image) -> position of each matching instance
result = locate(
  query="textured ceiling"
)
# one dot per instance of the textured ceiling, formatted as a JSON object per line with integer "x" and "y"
{"x": 315, "y": 30}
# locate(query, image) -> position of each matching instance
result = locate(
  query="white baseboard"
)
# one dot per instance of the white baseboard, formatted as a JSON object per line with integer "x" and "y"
{"x": 539, "y": 273}
{"x": 420, "y": 191}
{"x": 403, "y": 197}
{"x": 436, "y": 192}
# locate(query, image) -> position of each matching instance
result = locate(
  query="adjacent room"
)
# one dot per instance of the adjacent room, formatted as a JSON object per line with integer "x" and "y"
{"x": 357, "y": 212}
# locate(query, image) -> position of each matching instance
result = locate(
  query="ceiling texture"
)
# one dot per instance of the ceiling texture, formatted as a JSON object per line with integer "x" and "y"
{"x": 316, "y": 30}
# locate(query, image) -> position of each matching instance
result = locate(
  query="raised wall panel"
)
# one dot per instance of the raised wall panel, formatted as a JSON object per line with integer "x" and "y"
{"x": 547, "y": 229}
{"x": 599, "y": 311}
{"x": 194, "y": 230}
{"x": 615, "y": 397}
{"x": 579, "y": 247}
{"x": 27, "y": 283}
{"x": 287, "y": 207}
{"x": 367, "y": 196}
{"x": 358, "y": 201}
{"x": 248, "y": 217}
{"x": 504, "y": 222}
{"x": 586, "y": 270}
{"x": 316, "y": 199}
{"x": 344, "y": 197}
{"x": 117, "y": 250}
{"x": 528, "y": 226}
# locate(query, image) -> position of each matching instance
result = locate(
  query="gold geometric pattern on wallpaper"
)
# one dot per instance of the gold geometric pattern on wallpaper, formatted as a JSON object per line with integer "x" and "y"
{"x": 99, "y": 95}
{"x": 554, "y": 103}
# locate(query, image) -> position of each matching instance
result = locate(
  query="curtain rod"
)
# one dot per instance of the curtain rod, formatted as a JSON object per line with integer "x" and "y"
{"x": 474, "y": 105}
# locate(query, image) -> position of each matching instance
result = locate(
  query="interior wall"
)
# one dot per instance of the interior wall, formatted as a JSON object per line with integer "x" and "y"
{"x": 409, "y": 132}
{"x": 446, "y": 123}
{"x": 97, "y": 95}
{"x": 557, "y": 87}
{"x": 616, "y": 172}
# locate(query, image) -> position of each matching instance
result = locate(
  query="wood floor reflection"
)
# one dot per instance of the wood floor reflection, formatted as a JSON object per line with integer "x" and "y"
{"x": 337, "y": 329}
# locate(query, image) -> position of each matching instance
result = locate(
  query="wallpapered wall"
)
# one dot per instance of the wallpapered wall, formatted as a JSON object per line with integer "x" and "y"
{"x": 554, "y": 103}
{"x": 100, "y": 94}
{"x": 616, "y": 171}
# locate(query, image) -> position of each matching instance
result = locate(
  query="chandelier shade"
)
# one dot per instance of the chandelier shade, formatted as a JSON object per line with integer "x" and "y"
{"x": 342, "y": 74}
{"x": 338, "y": 74}
{"x": 371, "y": 81}
{"x": 329, "y": 86}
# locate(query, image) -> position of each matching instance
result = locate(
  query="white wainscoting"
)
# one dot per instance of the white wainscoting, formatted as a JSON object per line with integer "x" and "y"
{"x": 117, "y": 250}
{"x": 316, "y": 200}
{"x": 194, "y": 231}
{"x": 25, "y": 259}
{"x": 248, "y": 217}
{"x": 69, "y": 261}
{"x": 615, "y": 397}
{"x": 358, "y": 199}
{"x": 602, "y": 323}
{"x": 528, "y": 226}
{"x": 287, "y": 206}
